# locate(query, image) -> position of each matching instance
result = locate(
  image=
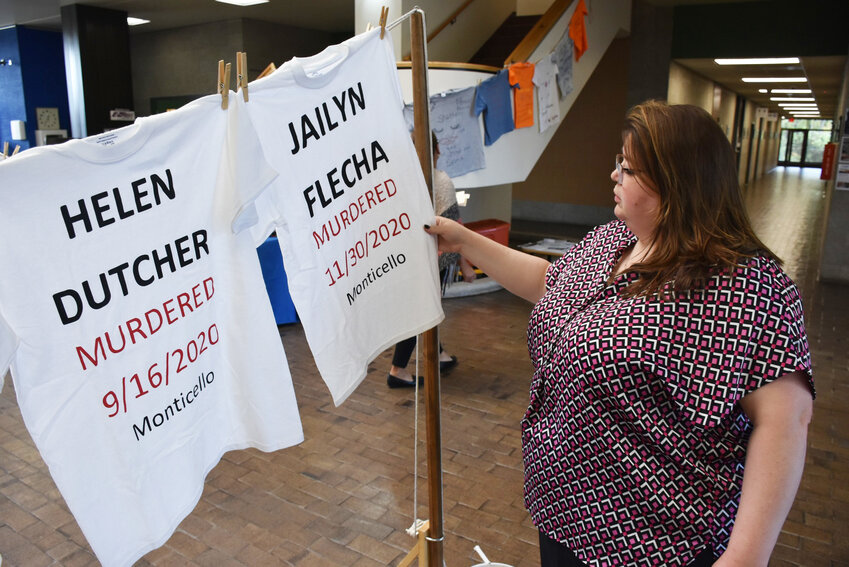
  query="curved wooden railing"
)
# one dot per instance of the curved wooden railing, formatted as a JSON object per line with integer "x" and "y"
{"x": 450, "y": 65}
{"x": 538, "y": 32}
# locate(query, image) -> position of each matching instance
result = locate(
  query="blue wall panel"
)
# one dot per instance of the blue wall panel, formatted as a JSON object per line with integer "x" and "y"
{"x": 43, "y": 65}
{"x": 12, "y": 105}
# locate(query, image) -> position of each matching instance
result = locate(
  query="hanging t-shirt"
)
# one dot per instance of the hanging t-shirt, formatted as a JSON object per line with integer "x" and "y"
{"x": 562, "y": 59}
{"x": 349, "y": 205}
{"x": 492, "y": 97}
{"x": 578, "y": 29}
{"x": 545, "y": 80}
{"x": 457, "y": 130}
{"x": 522, "y": 77}
{"x": 135, "y": 321}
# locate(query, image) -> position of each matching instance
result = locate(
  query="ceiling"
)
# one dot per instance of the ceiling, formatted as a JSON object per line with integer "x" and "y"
{"x": 324, "y": 15}
{"x": 824, "y": 73}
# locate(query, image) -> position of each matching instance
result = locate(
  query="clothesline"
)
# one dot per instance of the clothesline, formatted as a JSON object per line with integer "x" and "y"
{"x": 505, "y": 101}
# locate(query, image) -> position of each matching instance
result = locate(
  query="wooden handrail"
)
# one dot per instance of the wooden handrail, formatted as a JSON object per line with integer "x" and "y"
{"x": 538, "y": 32}
{"x": 450, "y": 65}
{"x": 448, "y": 21}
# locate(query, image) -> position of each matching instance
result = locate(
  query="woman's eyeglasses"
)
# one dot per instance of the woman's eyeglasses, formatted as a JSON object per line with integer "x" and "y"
{"x": 622, "y": 169}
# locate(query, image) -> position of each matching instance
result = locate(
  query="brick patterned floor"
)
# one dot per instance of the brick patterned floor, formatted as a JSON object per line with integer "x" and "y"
{"x": 345, "y": 496}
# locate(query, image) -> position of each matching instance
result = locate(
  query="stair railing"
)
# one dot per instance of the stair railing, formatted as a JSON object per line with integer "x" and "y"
{"x": 450, "y": 20}
{"x": 534, "y": 37}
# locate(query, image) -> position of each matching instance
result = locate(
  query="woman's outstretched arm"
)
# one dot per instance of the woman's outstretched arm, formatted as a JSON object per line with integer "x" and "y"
{"x": 521, "y": 274}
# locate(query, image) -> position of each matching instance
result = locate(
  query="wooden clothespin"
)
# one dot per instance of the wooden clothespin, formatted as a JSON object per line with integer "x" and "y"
{"x": 268, "y": 70}
{"x": 384, "y": 14}
{"x": 17, "y": 147}
{"x": 224, "y": 83}
{"x": 242, "y": 73}
{"x": 6, "y": 149}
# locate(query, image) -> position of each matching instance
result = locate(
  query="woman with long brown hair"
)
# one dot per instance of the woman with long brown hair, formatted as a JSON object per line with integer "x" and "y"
{"x": 672, "y": 388}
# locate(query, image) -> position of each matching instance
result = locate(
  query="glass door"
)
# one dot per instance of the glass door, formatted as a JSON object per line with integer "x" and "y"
{"x": 802, "y": 142}
{"x": 793, "y": 143}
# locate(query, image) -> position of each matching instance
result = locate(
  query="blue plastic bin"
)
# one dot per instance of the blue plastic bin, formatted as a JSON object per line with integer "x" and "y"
{"x": 276, "y": 283}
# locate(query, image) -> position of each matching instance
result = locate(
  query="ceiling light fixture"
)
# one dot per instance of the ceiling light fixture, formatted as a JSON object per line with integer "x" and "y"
{"x": 775, "y": 80}
{"x": 136, "y": 21}
{"x": 759, "y": 61}
{"x": 763, "y": 91}
{"x": 790, "y": 91}
{"x": 792, "y": 99}
{"x": 243, "y": 2}
{"x": 797, "y": 104}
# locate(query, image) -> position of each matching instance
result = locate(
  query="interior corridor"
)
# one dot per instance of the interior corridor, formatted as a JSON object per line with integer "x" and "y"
{"x": 345, "y": 496}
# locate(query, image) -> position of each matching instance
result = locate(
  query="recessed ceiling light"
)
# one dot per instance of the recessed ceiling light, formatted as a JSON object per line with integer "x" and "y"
{"x": 775, "y": 80}
{"x": 136, "y": 21}
{"x": 759, "y": 61}
{"x": 797, "y": 104}
{"x": 243, "y": 2}
{"x": 790, "y": 91}
{"x": 763, "y": 91}
{"x": 792, "y": 99}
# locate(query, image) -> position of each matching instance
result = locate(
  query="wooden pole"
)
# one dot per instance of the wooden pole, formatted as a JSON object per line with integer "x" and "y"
{"x": 429, "y": 339}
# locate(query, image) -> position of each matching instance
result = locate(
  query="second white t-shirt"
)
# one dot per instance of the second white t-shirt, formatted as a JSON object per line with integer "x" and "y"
{"x": 348, "y": 206}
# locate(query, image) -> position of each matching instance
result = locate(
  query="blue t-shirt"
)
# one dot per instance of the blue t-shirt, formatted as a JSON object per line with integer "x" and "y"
{"x": 493, "y": 99}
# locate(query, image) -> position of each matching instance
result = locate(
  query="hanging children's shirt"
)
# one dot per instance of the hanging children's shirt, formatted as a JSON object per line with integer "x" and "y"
{"x": 545, "y": 80}
{"x": 135, "y": 319}
{"x": 492, "y": 97}
{"x": 578, "y": 29}
{"x": 349, "y": 205}
{"x": 562, "y": 59}
{"x": 458, "y": 132}
{"x": 521, "y": 77}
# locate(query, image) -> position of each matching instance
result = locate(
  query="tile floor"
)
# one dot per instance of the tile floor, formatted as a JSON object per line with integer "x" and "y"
{"x": 346, "y": 495}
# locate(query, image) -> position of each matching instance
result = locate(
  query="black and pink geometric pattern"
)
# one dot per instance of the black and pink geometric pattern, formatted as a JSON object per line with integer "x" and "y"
{"x": 633, "y": 440}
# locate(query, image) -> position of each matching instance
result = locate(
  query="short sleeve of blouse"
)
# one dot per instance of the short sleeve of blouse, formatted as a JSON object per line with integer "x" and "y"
{"x": 782, "y": 347}
{"x": 741, "y": 335}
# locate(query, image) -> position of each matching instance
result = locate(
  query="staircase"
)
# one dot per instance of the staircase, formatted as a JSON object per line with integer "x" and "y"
{"x": 512, "y": 158}
{"x": 505, "y": 39}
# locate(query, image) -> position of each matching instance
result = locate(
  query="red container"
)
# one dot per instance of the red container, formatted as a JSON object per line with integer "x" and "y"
{"x": 495, "y": 229}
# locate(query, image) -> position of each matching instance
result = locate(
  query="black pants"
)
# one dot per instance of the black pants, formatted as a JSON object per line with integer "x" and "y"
{"x": 555, "y": 554}
{"x": 404, "y": 350}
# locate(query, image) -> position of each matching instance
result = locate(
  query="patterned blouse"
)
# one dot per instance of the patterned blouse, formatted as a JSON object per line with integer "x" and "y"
{"x": 633, "y": 441}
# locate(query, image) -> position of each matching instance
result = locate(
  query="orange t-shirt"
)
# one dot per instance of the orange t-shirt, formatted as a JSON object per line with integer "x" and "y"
{"x": 578, "y": 29}
{"x": 522, "y": 75}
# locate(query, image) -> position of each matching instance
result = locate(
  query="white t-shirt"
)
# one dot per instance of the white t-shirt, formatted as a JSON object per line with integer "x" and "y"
{"x": 348, "y": 206}
{"x": 135, "y": 319}
{"x": 545, "y": 74}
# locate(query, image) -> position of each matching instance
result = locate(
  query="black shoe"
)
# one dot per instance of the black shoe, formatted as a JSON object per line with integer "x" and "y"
{"x": 446, "y": 365}
{"x": 395, "y": 382}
